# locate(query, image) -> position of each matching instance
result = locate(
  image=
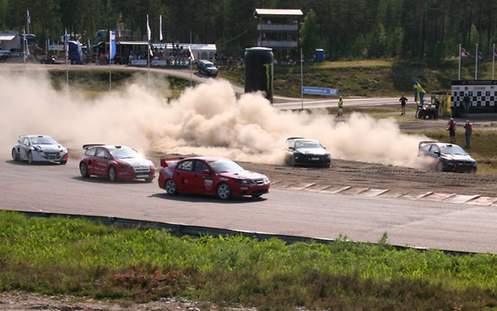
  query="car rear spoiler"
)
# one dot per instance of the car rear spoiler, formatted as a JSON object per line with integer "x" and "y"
{"x": 92, "y": 145}
{"x": 424, "y": 142}
{"x": 293, "y": 138}
{"x": 167, "y": 161}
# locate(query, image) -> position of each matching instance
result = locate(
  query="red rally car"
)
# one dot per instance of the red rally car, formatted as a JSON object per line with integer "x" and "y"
{"x": 211, "y": 176}
{"x": 115, "y": 163}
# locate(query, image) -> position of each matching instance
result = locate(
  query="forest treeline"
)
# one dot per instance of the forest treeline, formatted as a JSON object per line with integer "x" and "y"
{"x": 428, "y": 30}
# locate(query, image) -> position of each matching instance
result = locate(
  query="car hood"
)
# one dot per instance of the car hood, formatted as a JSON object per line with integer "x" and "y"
{"x": 49, "y": 148}
{"x": 243, "y": 175}
{"x": 457, "y": 157}
{"x": 134, "y": 162}
{"x": 315, "y": 151}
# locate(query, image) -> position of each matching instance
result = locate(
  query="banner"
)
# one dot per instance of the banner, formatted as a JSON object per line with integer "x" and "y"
{"x": 112, "y": 45}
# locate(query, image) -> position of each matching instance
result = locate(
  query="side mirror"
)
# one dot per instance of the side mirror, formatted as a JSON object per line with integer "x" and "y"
{"x": 291, "y": 148}
{"x": 437, "y": 153}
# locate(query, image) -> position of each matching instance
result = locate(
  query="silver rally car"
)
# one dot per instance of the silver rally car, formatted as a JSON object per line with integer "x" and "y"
{"x": 39, "y": 148}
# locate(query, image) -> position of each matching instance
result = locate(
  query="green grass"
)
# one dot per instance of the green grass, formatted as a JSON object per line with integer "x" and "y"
{"x": 95, "y": 82}
{"x": 68, "y": 256}
{"x": 364, "y": 77}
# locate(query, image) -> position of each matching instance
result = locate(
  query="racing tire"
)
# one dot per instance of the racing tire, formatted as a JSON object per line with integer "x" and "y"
{"x": 83, "y": 170}
{"x": 112, "y": 174}
{"x": 223, "y": 191}
{"x": 170, "y": 186}
{"x": 30, "y": 158}
{"x": 256, "y": 196}
{"x": 63, "y": 162}
{"x": 15, "y": 156}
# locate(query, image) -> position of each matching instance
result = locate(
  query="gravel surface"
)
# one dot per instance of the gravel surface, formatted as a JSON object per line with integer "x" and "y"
{"x": 17, "y": 301}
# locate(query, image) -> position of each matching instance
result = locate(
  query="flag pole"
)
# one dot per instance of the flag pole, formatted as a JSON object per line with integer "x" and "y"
{"x": 493, "y": 61}
{"x": 110, "y": 69}
{"x": 149, "y": 37}
{"x": 459, "y": 71}
{"x": 191, "y": 60}
{"x": 66, "y": 55}
{"x": 476, "y": 63}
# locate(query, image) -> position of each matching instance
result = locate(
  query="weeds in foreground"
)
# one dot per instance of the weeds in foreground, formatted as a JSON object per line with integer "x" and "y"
{"x": 68, "y": 256}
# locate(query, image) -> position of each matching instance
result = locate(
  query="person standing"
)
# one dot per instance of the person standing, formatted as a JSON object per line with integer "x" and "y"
{"x": 403, "y": 102}
{"x": 340, "y": 107}
{"x": 468, "y": 131}
{"x": 452, "y": 130}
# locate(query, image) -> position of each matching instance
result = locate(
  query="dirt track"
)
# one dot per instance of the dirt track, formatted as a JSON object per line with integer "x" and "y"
{"x": 396, "y": 179}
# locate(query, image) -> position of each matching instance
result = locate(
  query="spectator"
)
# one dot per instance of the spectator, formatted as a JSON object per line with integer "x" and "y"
{"x": 468, "y": 131}
{"x": 452, "y": 130}
{"x": 403, "y": 102}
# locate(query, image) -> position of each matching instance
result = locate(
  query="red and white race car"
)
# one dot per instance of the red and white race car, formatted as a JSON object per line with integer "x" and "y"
{"x": 116, "y": 163}
{"x": 211, "y": 176}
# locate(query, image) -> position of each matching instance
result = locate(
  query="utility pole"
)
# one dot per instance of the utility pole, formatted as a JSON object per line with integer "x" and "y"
{"x": 493, "y": 61}
{"x": 191, "y": 60}
{"x": 476, "y": 62}
{"x": 459, "y": 72}
{"x": 302, "y": 79}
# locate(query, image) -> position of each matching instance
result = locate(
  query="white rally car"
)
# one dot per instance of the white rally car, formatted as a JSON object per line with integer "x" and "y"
{"x": 39, "y": 148}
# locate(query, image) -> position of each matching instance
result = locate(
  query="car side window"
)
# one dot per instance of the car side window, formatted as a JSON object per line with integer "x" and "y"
{"x": 25, "y": 141}
{"x": 101, "y": 153}
{"x": 200, "y": 166}
{"x": 90, "y": 152}
{"x": 186, "y": 166}
{"x": 434, "y": 148}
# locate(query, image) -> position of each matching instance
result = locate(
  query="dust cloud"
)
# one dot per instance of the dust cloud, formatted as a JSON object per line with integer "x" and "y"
{"x": 206, "y": 120}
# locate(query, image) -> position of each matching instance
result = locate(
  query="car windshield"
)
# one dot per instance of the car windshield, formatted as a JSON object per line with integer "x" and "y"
{"x": 226, "y": 166}
{"x": 43, "y": 140}
{"x": 307, "y": 144}
{"x": 452, "y": 149}
{"x": 124, "y": 153}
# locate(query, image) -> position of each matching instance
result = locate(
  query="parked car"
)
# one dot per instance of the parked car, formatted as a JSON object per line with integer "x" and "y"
{"x": 211, "y": 176}
{"x": 116, "y": 163}
{"x": 39, "y": 148}
{"x": 307, "y": 152}
{"x": 207, "y": 68}
{"x": 446, "y": 157}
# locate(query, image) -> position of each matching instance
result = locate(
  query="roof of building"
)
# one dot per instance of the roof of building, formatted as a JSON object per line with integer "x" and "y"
{"x": 278, "y": 12}
{"x": 7, "y": 35}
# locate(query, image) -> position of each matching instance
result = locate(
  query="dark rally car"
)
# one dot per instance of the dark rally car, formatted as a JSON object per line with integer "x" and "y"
{"x": 307, "y": 152}
{"x": 446, "y": 157}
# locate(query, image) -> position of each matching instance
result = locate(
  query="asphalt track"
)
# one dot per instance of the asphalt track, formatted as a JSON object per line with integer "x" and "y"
{"x": 59, "y": 189}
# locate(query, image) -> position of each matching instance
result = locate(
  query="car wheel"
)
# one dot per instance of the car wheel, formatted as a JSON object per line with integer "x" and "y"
{"x": 149, "y": 180}
{"x": 223, "y": 191}
{"x": 63, "y": 162}
{"x": 83, "y": 170}
{"x": 30, "y": 158}
{"x": 256, "y": 196}
{"x": 291, "y": 161}
{"x": 171, "y": 187}
{"x": 15, "y": 157}
{"x": 112, "y": 174}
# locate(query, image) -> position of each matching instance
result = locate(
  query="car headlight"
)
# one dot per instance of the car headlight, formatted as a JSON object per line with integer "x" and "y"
{"x": 244, "y": 181}
{"x": 266, "y": 180}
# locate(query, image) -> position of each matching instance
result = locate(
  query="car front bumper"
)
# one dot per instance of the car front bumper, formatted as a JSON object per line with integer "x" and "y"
{"x": 312, "y": 160}
{"x": 253, "y": 189}
{"x": 51, "y": 157}
{"x": 461, "y": 167}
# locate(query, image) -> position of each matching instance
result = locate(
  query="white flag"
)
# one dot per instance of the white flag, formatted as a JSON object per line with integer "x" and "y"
{"x": 160, "y": 28}
{"x": 149, "y": 32}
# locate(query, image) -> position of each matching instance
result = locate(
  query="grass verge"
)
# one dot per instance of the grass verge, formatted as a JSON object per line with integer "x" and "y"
{"x": 69, "y": 256}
